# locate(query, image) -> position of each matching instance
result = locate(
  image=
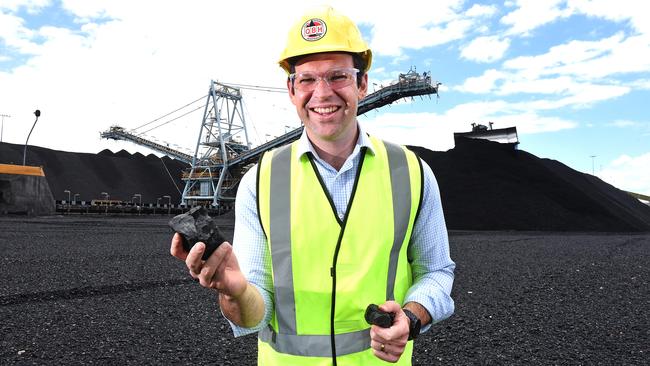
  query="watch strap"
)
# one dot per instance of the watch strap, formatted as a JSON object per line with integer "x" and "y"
{"x": 414, "y": 324}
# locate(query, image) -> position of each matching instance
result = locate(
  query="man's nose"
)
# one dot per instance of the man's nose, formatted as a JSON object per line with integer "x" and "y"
{"x": 322, "y": 87}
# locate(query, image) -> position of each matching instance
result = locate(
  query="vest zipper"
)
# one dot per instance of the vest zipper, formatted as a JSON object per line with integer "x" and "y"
{"x": 324, "y": 188}
{"x": 362, "y": 155}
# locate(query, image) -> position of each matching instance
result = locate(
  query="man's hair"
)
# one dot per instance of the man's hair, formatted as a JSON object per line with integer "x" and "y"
{"x": 357, "y": 61}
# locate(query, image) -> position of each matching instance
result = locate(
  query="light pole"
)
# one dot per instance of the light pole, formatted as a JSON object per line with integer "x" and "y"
{"x": 169, "y": 204}
{"x": 2, "y": 128}
{"x": 37, "y": 113}
{"x": 75, "y": 198}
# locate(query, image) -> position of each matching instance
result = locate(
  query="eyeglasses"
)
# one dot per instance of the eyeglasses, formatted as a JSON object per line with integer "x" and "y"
{"x": 335, "y": 78}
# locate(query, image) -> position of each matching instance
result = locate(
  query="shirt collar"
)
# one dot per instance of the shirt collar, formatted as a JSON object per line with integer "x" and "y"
{"x": 305, "y": 146}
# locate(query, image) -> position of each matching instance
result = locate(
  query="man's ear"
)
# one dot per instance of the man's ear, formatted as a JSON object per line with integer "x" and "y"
{"x": 290, "y": 88}
{"x": 363, "y": 88}
{"x": 292, "y": 91}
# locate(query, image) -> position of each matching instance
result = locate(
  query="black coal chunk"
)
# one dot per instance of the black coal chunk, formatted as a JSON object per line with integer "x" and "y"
{"x": 196, "y": 226}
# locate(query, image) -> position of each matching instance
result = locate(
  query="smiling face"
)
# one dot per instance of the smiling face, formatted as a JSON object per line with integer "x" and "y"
{"x": 329, "y": 115}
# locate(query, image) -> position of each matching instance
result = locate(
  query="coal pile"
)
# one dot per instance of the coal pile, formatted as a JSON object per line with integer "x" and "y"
{"x": 490, "y": 186}
{"x": 484, "y": 186}
{"x": 121, "y": 174}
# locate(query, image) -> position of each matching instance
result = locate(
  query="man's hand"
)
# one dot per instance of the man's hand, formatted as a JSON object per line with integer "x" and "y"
{"x": 239, "y": 301}
{"x": 388, "y": 344}
{"x": 220, "y": 271}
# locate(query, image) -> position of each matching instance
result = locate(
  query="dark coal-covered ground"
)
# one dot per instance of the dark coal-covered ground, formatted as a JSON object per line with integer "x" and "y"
{"x": 104, "y": 290}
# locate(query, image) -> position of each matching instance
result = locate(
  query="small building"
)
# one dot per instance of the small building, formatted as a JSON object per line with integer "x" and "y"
{"x": 25, "y": 191}
{"x": 501, "y": 135}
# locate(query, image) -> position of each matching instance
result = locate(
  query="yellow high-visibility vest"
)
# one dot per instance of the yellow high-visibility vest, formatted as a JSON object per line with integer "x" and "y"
{"x": 327, "y": 270}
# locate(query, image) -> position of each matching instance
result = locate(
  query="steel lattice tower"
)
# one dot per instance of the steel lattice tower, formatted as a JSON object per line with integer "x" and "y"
{"x": 220, "y": 140}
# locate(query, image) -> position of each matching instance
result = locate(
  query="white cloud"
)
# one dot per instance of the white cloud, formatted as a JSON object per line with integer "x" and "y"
{"x": 643, "y": 84}
{"x": 86, "y": 10}
{"x": 390, "y": 41}
{"x": 625, "y": 123}
{"x": 531, "y": 14}
{"x": 135, "y": 68}
{"x": 31, "y": 5}
{"x": 141, "y": 60}
{"x": 483, "y": 84}
{"x": 575, "y": 74}
{"x": 416, "y": 25}
{"x": 567, "y": 58}
{"x": 533, "y": 123}
{"x": 478, "y": 10}
{"x": 618, "y": 11}
{"x": 615, "y": 56}
{"x": 631, "y": 173}
{"x": 507, "y": 115}
{"x": 429, "y": 130}
{"x": 14, "y": 34}
{"x": 514, "y": 84}
{"x": 557, "y": 92}
{"x": 435, "y": 131}
{"x": 485, "y": 49}
{"x": 587, "y": 94}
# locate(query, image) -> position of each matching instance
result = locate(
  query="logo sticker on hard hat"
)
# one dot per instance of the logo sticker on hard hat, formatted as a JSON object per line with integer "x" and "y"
{"x": 313, "y": 30}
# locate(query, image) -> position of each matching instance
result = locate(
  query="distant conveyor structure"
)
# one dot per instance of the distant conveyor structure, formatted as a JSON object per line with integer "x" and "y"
{"x": 119, "y": 133}
{"x": 221, "y": 158}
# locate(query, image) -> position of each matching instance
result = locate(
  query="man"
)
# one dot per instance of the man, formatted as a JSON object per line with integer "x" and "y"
{"x": 331, "y": 223}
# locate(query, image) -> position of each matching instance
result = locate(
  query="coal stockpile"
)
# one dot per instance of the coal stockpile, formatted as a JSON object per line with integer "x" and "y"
{"x": 121, "y": 174}
{"x": 89, "y": 290}
{"x": 490, "y": 186}
{"x": 484, "y": 186}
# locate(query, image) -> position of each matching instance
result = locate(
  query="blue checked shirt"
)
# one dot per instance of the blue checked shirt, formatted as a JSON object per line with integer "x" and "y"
{"x": 433, "y": 269}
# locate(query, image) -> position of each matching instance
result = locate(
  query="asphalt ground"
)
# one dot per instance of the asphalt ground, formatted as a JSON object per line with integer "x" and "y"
{"x": 104, "y": 290}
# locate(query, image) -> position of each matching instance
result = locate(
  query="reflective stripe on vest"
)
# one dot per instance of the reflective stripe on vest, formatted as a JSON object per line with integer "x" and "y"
{"x": 280, "y": 231}
{"x": 287, "y": 340}
{"x": 316, "y": 345}
{"x": 400, "y": 181}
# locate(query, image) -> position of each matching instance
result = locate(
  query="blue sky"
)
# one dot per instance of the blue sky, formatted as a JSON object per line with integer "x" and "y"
{"x": 573, "y": 76}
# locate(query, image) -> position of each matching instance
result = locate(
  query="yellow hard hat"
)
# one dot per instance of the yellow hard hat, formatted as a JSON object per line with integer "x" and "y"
{"x": 324, "y": 30}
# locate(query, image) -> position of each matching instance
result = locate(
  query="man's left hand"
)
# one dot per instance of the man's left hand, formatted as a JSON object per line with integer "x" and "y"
{"x": 388, "y": 344}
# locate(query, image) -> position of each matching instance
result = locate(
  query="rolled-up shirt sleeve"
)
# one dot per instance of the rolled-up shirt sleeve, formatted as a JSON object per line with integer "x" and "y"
{"x": 433, "y": 268}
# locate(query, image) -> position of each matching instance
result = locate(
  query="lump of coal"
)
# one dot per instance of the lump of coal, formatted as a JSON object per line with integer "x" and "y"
{"x": 196, "y": 226}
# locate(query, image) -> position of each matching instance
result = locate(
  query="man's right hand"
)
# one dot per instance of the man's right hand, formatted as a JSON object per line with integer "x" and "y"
{"x": 220, "y": 271}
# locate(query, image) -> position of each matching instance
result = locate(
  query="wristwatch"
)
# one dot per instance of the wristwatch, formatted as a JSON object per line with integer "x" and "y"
{"x": 414, "y": 324}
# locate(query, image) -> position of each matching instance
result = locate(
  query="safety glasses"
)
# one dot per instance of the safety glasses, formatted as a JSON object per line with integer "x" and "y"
{"x": 335, "y": 78}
